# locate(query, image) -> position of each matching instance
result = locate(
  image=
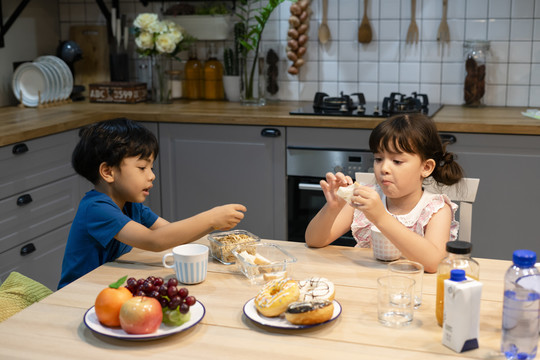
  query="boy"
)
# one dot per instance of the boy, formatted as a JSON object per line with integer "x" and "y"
{"x": 117, "y": 157}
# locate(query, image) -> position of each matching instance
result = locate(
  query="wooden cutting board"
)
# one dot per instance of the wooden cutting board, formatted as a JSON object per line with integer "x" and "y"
{"x": 94, "y": 65}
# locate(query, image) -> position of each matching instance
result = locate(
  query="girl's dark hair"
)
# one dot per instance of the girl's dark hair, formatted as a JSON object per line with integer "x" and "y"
{"x": 417, "y": 134}
{"x": 110, "y": 142}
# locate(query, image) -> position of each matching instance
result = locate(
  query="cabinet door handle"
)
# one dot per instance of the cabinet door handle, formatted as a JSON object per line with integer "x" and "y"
{"x": 448, "y": 138}
{"x": 24, "y": 199}
{"x": 27, "y": 249}
{"x": 269, "y": 132}
{"x": 19, "y": 149}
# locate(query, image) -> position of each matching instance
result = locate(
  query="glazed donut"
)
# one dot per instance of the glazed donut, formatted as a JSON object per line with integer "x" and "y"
{"x": 274, "y": 297}
{"x": 309, "y": 312}
{"x": 316, "y": 288}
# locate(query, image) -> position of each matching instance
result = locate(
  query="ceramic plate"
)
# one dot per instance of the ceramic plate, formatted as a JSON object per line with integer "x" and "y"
{"x": 65, "y": 74}
{"x": 28, "y": 80}
{"x": 54, "y": 80}
{"x": 92, "y": 322}
{"x": 280, "y": 322}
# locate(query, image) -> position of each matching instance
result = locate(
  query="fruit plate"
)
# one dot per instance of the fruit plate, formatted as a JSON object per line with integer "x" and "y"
{"x": 92, "y": 322}
{"x": 280, "y": 322}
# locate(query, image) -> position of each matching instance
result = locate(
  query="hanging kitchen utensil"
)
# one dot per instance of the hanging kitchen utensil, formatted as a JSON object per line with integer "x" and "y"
{"x": 443, "y": 35}
{"x": 324, "y": 31}
{"x": 412, "y": 32}
{"x": 364, "y": 31}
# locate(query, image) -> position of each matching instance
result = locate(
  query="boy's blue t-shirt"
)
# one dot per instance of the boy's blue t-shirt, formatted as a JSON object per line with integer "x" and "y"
{"x": 91, "y": 241}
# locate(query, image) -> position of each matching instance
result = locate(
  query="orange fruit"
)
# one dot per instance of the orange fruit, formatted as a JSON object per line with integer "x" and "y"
{"x": 108, "y": 304}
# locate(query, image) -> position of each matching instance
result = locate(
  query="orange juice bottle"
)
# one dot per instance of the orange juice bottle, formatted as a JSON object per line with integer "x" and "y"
{"x": 459, "y": 257}
{"x": 213, "y": 76}
{"x": 193, "y": 72}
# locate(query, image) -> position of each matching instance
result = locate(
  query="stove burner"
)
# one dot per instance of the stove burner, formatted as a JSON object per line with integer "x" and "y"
{"x": 399, "y": 103}
{"x": 343, "y": 104}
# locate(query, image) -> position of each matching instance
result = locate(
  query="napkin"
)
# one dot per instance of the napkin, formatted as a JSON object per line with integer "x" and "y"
{"x": 18, "y": 292}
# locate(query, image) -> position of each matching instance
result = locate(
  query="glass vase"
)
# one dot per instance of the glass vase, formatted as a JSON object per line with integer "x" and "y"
{"x": 160, "y": 87}
{"x": 252, "y": 81}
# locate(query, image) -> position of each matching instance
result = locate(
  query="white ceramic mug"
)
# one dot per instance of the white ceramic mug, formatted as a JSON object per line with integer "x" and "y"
{"x": 383, "y": 249}
{"x": 190, "y": 263}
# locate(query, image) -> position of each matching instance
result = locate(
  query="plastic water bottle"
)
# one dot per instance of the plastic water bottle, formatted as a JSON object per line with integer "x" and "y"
{"x": 521, "y": 309}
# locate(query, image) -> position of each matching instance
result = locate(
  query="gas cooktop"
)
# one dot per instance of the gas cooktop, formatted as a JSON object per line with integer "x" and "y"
{"x": 345, "y": 105}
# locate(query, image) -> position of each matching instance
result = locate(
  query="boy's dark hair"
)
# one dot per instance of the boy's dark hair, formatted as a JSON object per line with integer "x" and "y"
{"x": 416, "y": 134}
{"x": 110, "y": 142}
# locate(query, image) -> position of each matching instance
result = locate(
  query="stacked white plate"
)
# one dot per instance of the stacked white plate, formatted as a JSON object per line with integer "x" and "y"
{"x": 46, "y": 79}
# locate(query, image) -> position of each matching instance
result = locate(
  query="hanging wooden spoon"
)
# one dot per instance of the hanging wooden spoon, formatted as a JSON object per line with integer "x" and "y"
{"x": 324, "y": 31}
{"x": 364, "y": 31}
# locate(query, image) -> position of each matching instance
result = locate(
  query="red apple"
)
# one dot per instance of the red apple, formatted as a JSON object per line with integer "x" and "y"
{"x": 140, "y": 315}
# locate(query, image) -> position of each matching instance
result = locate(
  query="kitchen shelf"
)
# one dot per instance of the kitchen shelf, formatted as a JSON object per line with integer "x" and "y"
{"x": 146, "y": 2}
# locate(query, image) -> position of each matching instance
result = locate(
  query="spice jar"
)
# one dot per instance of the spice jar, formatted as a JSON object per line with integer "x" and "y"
{"x": 459, "y": 257}
{"x": 475, "y": 52}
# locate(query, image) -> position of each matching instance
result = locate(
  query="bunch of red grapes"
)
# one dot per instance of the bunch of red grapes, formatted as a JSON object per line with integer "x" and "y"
{"x": 168, "y": 294}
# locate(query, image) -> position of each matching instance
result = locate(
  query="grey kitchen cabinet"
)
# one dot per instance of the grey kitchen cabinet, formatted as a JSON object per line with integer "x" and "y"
{"x": 203, "y": 166}
{"x": 39, "y": 194}
{"x": 505, "y": 213}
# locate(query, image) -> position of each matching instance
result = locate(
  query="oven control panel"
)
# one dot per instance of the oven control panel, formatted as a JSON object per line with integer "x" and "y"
{"x": 316, "y": 162}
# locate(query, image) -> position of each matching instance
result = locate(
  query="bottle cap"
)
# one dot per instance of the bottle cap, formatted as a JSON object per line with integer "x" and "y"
{"x": 524, "y": 258}
{"x": 459, "y": 247}
{"x": 457, "y": 275}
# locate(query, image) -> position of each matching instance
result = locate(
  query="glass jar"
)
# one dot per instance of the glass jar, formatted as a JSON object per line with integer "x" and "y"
{"x": 459, "y": 257}
{"x": 175, "y": 79}
{"x": 213, "y": 76}
{"x": 475, "y": 52}
{"x": 194, "y": 76}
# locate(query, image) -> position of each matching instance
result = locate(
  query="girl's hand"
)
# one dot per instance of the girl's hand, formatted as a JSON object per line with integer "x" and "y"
{"x": 331, "y": 185}
{"x": 226, "y": 217}
{"x": 367, "y": 200}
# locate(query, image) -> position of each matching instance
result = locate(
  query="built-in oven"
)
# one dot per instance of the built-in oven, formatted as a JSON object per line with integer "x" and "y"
{"x": 306, "y": 166}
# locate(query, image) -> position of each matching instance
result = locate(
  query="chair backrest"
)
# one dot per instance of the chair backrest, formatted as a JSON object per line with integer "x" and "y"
{"x": 463, "y": 193}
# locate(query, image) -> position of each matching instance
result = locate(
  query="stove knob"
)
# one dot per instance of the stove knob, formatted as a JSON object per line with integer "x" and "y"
{"x": 343, "y": 108}
{"x": 361, "y": 109}
{"x": 338, "y": 169}
{"x": 376, "y": 110}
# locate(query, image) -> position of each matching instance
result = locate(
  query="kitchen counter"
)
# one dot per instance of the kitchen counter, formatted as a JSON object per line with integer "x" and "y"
{"x": 54, "y": 327}
{"x": 21, "y": 124}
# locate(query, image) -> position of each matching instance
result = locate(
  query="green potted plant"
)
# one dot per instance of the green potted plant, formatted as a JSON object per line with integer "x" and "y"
{"x": 231, "y": 79}
{"x": 254, "y": 17}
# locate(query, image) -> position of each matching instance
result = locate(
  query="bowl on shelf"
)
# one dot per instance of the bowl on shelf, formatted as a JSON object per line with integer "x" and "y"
{"x": 222, "y": 244}
{"x": 262, "y": 262}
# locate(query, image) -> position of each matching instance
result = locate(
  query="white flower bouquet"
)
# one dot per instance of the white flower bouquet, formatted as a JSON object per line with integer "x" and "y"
{"x": 155, "y": 37}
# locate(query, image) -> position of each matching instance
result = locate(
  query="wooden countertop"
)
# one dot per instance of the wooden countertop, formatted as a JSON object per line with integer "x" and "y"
{"x": 20, "y": 124}
{"x": 54, "y": 327}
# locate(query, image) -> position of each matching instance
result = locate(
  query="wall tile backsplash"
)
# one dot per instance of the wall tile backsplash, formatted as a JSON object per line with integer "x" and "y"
{"x": 387, "y": 64}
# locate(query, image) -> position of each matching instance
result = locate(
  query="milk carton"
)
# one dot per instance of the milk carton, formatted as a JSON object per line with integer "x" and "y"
{"x": 461, "y": 311}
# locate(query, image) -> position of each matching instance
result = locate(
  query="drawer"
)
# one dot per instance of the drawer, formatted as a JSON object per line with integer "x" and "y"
{"x": 36, "y": 162}
{"x": 43, "y": 264}
{"x": 48, "y": 207}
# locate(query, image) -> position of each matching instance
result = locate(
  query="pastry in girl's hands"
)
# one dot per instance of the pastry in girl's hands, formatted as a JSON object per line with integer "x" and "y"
{"x": 346, "y": 192}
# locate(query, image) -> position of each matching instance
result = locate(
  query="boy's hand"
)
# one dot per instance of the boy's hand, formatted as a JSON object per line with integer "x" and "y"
{"x": 226, "y": 217}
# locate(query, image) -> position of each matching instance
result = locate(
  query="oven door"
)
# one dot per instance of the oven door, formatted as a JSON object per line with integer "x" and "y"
{"x": 305, "y": 199}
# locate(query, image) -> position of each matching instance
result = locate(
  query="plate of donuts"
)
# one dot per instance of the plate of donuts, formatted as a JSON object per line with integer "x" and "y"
{"x": 281, "y": 322}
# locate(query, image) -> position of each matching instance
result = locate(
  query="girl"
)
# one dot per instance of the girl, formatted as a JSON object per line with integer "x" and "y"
{"x": 407, "y": 150}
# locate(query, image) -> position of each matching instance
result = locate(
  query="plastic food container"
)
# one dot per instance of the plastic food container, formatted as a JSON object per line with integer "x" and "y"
{"x": 223, "y": 243}
{"x": 280, "y": 265}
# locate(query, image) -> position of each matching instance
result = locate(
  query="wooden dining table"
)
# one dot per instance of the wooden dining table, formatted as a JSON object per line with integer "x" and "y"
{"x": 54, "y": 328}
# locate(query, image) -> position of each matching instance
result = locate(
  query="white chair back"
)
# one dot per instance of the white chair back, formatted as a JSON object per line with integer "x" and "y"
{"x": 463, "y": 193}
